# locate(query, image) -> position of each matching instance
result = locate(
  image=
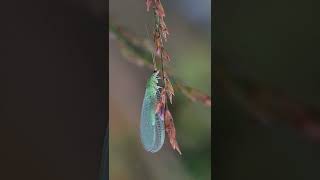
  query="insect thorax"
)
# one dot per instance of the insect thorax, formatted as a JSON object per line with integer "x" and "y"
{"x": 152, "y": 85}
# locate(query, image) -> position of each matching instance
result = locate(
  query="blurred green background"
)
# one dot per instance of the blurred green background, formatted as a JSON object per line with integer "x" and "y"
{"x": 189, "y": 45}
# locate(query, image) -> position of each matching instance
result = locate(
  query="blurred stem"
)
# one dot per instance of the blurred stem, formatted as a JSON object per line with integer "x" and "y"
{"x": 140, "y": 53}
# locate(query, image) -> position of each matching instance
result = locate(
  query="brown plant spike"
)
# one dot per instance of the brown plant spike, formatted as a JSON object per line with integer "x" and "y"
{"x": 160, "y": 34}
{"x": 163, "y": 29}
{"x": 165, "y": 55}
{"x": 162, "y": 101}
{"x": 148, "y": 3}
{"x": 169, "y": 89}
{"x": 157, "y": 42}
{"x": 171, "y": 131}
{"x": 195, "y": 95}
{"x": 159, "y": 9}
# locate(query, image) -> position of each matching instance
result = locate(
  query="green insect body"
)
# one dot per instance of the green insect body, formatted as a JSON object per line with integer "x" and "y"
{"x": 152, "y": 130}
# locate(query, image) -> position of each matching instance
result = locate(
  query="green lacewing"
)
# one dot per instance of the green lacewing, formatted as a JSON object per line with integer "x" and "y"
{"x": 152, "y": 130}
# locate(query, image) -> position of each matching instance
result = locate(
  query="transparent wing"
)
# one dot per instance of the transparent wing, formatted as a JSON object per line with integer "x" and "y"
{"x": 152, "y": 130}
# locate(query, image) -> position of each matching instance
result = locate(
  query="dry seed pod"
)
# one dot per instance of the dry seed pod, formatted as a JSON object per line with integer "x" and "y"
{"x": 159, "y": 9}
{"x": 171, "y": 131}
{"x": 165, "y": 55}
{"x": 148, "y": 3}
{"x": 168, "y": 87}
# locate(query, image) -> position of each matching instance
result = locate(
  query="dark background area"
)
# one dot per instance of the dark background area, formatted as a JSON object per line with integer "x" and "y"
{"x": 53, "y": 76}
{"x": 266, "y": 83}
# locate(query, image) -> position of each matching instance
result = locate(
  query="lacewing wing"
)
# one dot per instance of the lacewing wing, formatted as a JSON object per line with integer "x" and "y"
{"x": 152, "y": 130}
